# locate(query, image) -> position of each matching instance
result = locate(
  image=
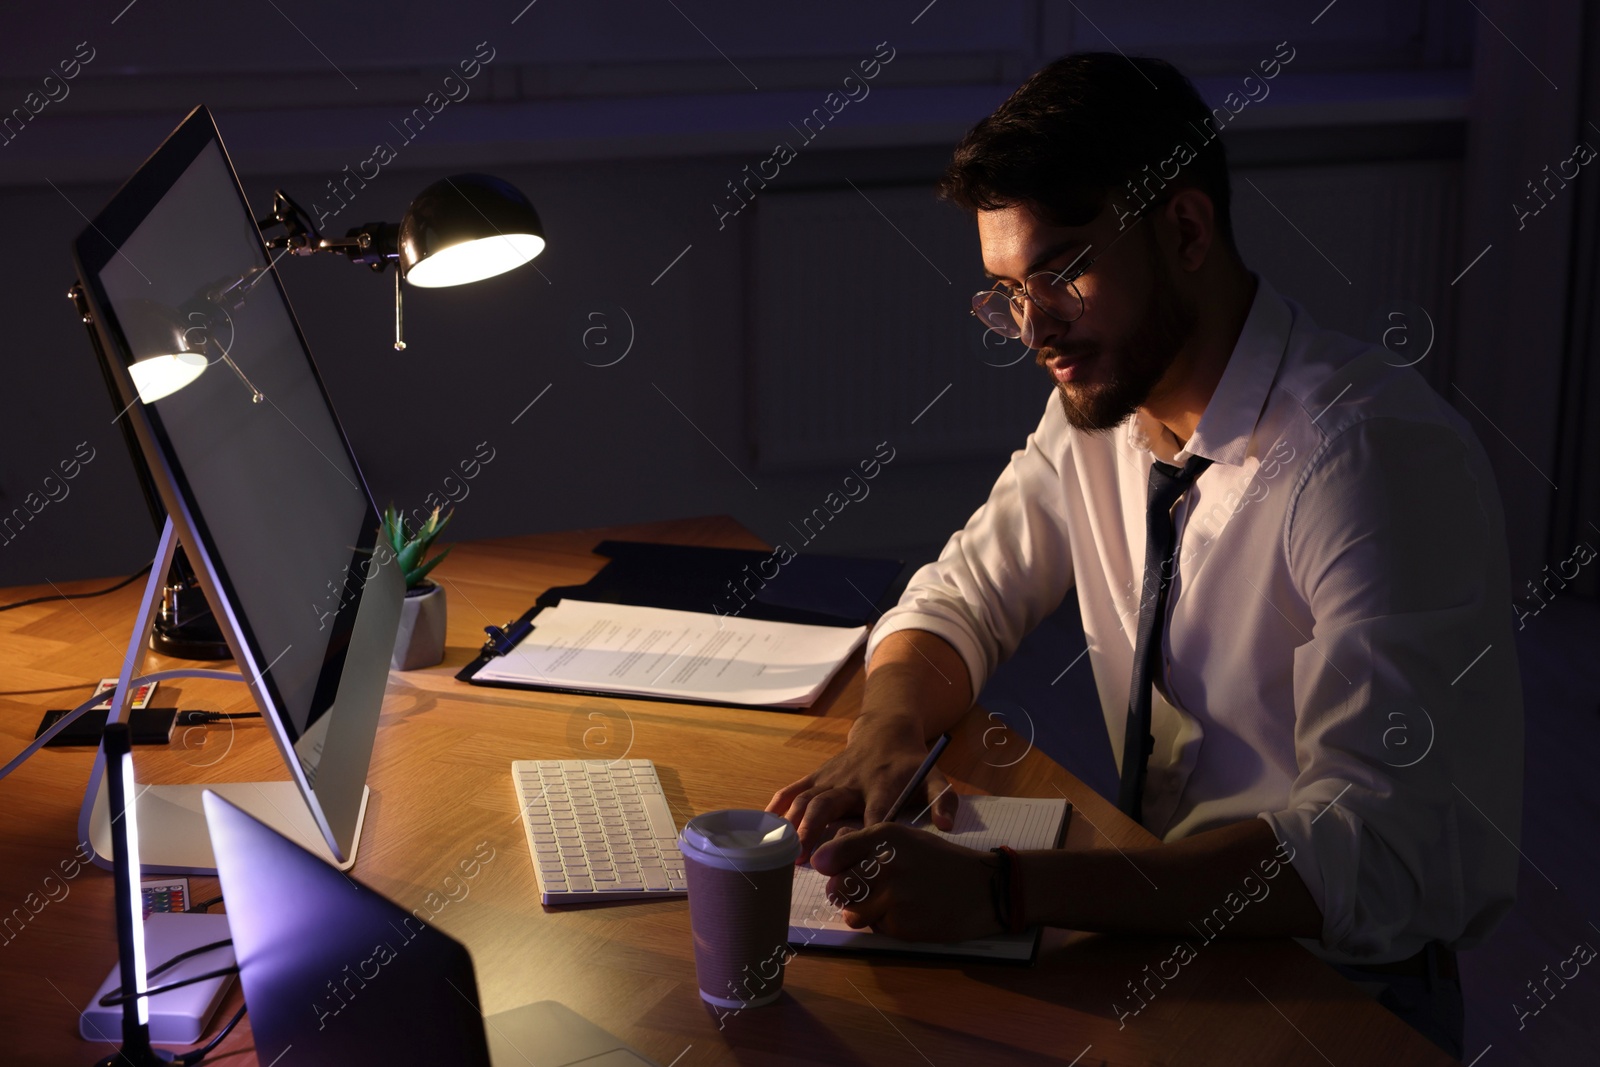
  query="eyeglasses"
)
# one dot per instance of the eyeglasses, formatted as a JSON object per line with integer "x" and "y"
{"x": 1053, "y": 292}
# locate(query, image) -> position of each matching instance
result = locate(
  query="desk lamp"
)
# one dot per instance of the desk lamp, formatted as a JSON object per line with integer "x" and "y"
{"x": 461, "y": 229}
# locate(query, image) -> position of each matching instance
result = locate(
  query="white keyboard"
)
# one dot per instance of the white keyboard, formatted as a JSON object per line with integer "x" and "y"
{"x": 598, "y": 830}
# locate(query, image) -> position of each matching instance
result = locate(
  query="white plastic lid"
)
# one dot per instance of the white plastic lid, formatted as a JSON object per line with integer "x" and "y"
{"x": 740, "y": 840}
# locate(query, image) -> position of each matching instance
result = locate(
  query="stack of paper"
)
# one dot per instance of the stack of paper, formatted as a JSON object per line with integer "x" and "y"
{"x": 677, "y": 655}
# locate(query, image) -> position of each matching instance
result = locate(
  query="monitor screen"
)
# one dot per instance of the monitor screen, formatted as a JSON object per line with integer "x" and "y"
{"x": 240, "y": 436}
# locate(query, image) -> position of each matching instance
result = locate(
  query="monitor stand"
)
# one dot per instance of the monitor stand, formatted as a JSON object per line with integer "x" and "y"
{"x": 173, "y": 838}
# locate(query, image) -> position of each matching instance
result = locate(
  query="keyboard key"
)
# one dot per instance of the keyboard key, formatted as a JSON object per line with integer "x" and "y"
{"x": 660, "y": 816}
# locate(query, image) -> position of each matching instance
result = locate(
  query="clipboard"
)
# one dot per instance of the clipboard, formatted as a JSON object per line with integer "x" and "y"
{"x": 816, "y": 590}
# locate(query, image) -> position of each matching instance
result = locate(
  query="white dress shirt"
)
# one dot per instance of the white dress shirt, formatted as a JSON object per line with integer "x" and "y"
{"x": 1337, "y": 657}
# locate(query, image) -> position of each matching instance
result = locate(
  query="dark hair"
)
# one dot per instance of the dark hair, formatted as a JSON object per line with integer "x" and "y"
{"x": 1090, "y": 125}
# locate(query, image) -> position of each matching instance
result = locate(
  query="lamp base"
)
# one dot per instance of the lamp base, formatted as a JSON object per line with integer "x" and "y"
{"x": 185, "y": 627}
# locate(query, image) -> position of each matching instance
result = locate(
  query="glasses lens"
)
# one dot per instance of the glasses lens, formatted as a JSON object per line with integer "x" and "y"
{"x": 994, "y": 311}
{"x": 1056, "y": 294}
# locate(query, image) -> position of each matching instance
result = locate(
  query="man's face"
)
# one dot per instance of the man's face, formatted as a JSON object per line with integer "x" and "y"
{"x": 1110, "y": 359}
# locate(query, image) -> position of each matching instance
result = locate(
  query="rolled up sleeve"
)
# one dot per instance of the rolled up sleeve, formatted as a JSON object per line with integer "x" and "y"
{"x": 1406, "y": 807}
{"x": 1006, "y": 569}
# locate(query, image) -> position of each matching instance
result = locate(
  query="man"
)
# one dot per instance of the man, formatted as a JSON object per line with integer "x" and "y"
{"x": 1289, "y": 555}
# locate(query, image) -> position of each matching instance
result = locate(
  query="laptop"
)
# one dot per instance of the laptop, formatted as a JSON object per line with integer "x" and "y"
{"x": 335, "y": 973}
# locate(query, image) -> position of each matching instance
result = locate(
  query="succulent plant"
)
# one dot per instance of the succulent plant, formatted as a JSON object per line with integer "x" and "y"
{"x": 410, "y": 548}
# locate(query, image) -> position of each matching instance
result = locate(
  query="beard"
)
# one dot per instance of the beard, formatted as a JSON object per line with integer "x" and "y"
{"x": 1136, "y": 366}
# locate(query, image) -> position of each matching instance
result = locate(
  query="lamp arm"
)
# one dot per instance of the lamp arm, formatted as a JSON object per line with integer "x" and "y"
{"x": 373, "y": 243}
{"x": 299, "y": 230}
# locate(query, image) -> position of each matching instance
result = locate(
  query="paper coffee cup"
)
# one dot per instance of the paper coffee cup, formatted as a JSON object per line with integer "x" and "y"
{"x": 740, "y": 867}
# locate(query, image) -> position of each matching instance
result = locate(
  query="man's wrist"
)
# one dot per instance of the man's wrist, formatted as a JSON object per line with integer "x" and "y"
{"x": 889, "y": 725}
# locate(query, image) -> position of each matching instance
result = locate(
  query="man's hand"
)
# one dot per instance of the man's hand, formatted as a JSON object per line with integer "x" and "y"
{"x": 910, "y": 884}
{"x": 862, "y": 782}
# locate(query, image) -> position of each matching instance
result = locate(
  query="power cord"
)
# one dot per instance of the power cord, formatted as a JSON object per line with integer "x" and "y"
{"x": 134, "y": 577}
{"x": 117, "y": 996}
{"x": 200, "y": 718}
{"x": 66, "y": 720}
{"x": 194, "y": 1056}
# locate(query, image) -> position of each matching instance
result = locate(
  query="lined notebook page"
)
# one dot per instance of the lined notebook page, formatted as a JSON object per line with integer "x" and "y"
{"x": 982, "y": 823}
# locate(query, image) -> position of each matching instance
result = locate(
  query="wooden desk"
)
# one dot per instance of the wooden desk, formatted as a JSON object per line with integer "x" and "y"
{"x": 442, "y": 791}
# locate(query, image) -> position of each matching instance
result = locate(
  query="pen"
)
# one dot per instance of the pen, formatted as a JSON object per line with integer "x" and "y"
{"x": 918, "y": 778}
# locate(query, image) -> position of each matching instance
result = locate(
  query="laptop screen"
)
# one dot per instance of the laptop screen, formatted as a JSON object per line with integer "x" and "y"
{"x": 333, "y": 972}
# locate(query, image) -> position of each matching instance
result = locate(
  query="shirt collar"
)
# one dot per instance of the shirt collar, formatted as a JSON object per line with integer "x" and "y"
{"x": 1229, "y": 420}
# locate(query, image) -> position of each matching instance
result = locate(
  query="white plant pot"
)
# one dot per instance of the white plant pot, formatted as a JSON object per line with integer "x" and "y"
{"x": 420, "y": 642}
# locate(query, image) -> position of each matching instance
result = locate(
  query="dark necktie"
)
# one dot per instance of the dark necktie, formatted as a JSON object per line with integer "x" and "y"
{"x": 1167, "y": 484}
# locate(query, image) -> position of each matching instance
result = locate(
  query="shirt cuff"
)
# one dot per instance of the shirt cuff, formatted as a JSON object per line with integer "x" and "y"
{"x": 1325, "y": 852}
{"x": 959, "y": 638}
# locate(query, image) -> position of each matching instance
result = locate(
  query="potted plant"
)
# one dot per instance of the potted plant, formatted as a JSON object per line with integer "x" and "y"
{"x": 420, "y": 642}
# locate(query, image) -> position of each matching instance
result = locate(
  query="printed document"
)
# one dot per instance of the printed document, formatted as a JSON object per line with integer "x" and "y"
{"x": 679, "y": 655}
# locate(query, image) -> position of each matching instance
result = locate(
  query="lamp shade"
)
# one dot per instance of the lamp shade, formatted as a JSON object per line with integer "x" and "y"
{"x": 465, "y": 228}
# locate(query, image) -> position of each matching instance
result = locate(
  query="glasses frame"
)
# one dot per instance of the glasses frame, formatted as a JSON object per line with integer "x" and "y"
{"x": 1015, "y": 299}
{"x": 1018, "y": 312}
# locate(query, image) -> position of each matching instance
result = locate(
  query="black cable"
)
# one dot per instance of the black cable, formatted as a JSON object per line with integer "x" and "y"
{"x": 196, "y": 1055}
{"x": 200, "y": 718}
{"x": 204, "y": 904}
{"x": 115, "y": 997}
{"x": 135, "y": 576}
{"x": 111, "y": 1000}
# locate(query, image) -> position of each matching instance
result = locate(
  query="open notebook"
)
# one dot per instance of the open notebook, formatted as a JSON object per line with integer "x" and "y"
{"x": 982, "y": 823}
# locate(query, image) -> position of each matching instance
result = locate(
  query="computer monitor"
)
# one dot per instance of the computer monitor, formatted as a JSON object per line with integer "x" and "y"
{"x": 258, "y": 480}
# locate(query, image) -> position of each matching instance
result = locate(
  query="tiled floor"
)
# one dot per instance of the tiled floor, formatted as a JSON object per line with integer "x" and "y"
{"x": 1558, "y": 905}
